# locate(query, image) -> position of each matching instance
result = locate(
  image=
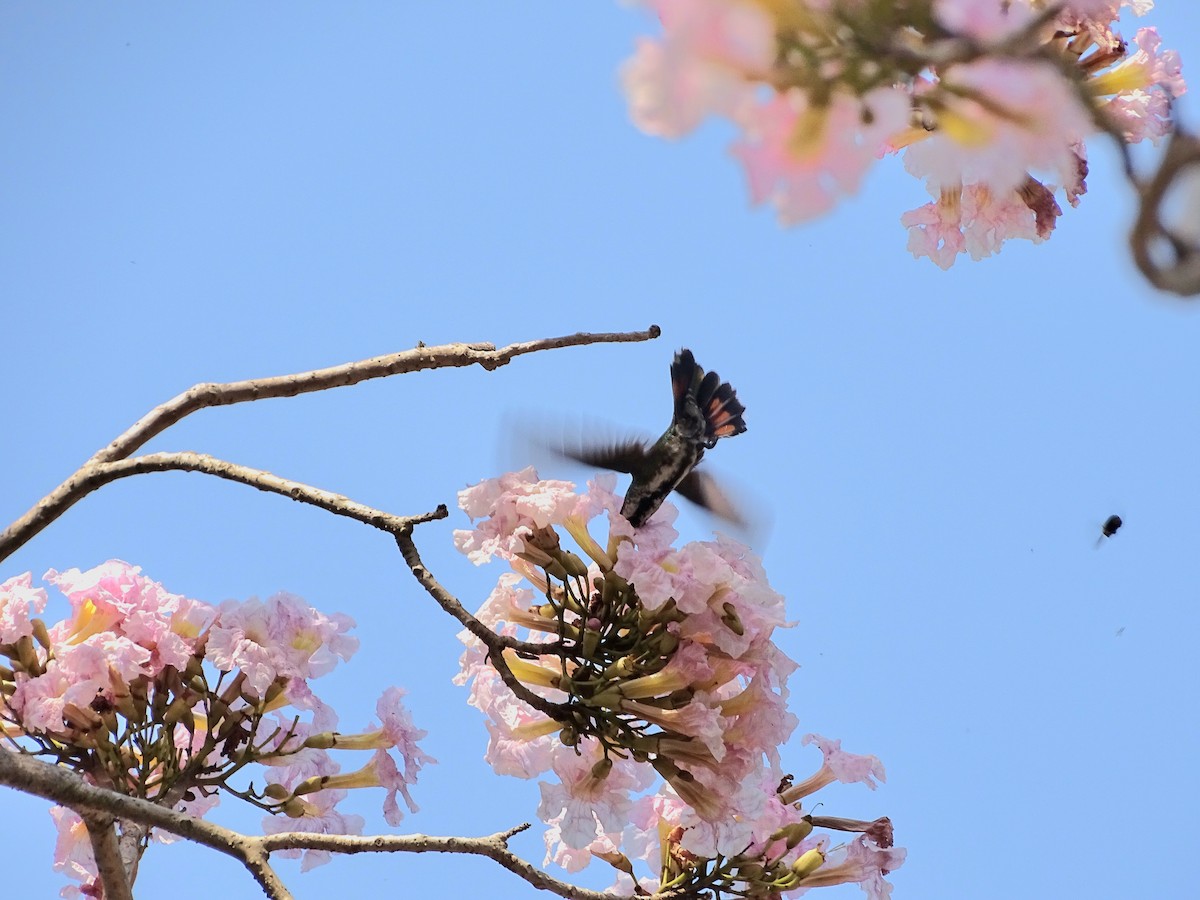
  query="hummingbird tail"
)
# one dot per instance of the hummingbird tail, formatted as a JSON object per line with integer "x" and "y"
{"x": 713, "y": 399}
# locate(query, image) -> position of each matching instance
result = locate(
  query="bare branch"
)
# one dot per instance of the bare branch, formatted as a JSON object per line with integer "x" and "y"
{"x": 102, "y": 833}
{"x": 495, "y": 643}
{"x": 1169, "y": 256}
{"x": 96, "y": 475}
{"x": 112, "y": 462}
{"x": 421, "y": 357}
{"x": 66, "y": 788}
{"x": 494, "y": 847}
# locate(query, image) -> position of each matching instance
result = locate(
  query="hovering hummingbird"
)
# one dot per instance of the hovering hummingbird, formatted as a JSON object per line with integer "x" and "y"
{"x": 706, "y": 410}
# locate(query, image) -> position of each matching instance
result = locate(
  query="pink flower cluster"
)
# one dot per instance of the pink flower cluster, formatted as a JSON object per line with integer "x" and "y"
{"x": 660, "y": 662}
{"x": 207, "y": 687}
{"x": 817, "y": 102}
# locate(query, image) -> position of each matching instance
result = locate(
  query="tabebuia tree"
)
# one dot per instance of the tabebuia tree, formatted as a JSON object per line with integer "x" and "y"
{"x": 636, "y": 676}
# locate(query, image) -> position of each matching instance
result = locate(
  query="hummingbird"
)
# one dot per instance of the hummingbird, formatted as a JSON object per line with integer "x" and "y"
{"x": 706, "y": 410}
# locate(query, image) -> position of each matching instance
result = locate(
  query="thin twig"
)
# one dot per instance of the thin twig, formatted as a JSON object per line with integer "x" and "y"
{"x": 96, "y": 475}
{"x": 1168, "y": 259}
{"x": 421, "y": 357}
{"x": 104, "y": 465}
{"x": 496, "y": 643}
{"x": 494, "y": 847}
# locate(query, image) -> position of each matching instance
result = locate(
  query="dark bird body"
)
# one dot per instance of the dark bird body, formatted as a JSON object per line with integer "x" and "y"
{"x": 706, "y": 410}
{"x": 1111, "y": 524}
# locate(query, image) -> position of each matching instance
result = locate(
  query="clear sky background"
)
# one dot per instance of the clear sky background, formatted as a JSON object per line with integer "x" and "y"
{"x": 219, "y": 191}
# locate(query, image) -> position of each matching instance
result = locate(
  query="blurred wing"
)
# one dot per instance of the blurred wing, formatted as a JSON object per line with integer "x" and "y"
{"x": 703, "y": 490}
{"x": 619, "y": 456}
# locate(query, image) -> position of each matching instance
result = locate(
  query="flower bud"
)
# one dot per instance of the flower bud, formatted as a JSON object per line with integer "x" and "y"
{"x": 296, "y": 808}
{"x": 28, "y": 656}
{"x": 731, "y": 619}
{"x": 591, "y": 641}
{"x": 794, "y": 833}
{"x": 323, "y": 741}
{"x": 276, "y": 791}
{"x": 158, "y": 706}
{"x": 274, "y": 689}
{"x": 309, "y": 785}
{"x": 573, "y": 564}
{"x": 177, "y": 711}
{"x": 80, "y": 718}
{"x": 195, "y": 668}
{"x": 808, "y": 863}
{"x": 535, "y": 555}
{"x": 40, "y": 632}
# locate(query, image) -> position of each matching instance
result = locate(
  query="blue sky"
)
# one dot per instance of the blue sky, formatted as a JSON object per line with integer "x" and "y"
{"x": 215, "y": 192}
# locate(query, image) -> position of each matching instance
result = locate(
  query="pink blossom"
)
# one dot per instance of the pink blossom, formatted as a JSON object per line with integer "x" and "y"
{"x": 522, "y": 741}
{"x": 570, "y": 858}
{"x": 77, "y": 676}
{"x": 506, "y": 602}
{"x": 653, "y": 575}
{"x": 1105, "y": 10}
{"x": 984, "y": 20}
{"x": 991, "y": 219}
{"x": 762, "y": 723}
{"x": 319, "y": 812}
{"x": 323, "y": 818}
{"x": 115, "y": 596}
{"x": 300, "y": 696}
{"x": 73, "y": 850}
{"x": 396, "y": 783}
{"x": 19, "y": 598}
{"x": 838, "y": 766}
{"x": 693, "y": 720}
{"x": 510, "y": 506}
{"x": 755, "y": 813}
{"x": 640, "y": 838}
{"x": 1040, "y": 122}
{"x": 291, "y": 762}
{"x": 591, "y": 796}
{"x": 935, "y": 229}
{"x": 656, "y": 534}
{"x": 402, "y": 735}
{"x": 599, "y": 497}
{"x": 283, "y": 637}
{"x": 803, "y": 158}
{"x": 862, "y": 861}
{"x": 1143, "y": 85}
{"x": 701, "y": 65}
